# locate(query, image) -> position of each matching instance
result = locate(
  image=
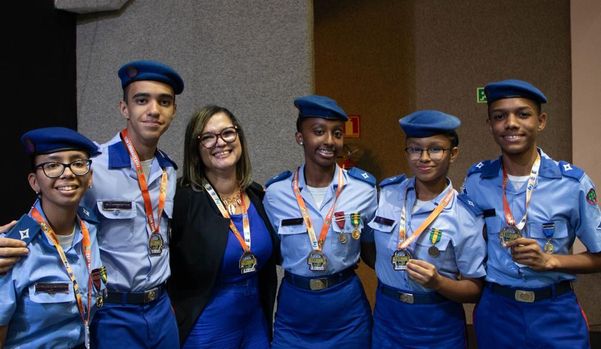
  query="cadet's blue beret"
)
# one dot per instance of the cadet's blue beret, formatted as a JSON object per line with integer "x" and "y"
{"x": 512, "y": 89}
{"x": 150, "y": 70}
{"x": 314, "y": 106}
{"x": 426, "y": 123}
{"x": 52, "y": 139}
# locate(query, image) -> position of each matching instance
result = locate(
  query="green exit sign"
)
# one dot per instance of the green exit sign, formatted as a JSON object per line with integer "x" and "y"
{"x": 480, "y": 96}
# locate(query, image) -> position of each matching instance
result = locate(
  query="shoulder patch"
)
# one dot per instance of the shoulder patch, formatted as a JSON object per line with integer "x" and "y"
{"x": 278, "y": 178}
{"x": 478, "y": 167}
{"x": 25, "y": 229}
{"x": 469, "y": 204}
{"x": 87, "y": 215}
{"x": 393, "y": 180}
{"x": 569, "y": 170}
{"x": 363, "y": 176}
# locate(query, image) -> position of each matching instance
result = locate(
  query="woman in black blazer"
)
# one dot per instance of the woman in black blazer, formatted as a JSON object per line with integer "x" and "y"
{"x": 223, "y": 249}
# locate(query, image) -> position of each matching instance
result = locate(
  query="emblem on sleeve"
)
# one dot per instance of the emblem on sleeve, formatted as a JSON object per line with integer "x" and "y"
{"x": 591, "y": 197}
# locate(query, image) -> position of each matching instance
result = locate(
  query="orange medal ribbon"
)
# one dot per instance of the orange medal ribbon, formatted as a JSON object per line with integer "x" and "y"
{"x": 529, "y": 190}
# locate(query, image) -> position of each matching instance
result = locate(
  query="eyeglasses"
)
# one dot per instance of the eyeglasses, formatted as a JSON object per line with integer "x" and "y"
{"x": 434, "y": 153}
{"x": 54, "y": 169}
{"x": 228, "y": 135}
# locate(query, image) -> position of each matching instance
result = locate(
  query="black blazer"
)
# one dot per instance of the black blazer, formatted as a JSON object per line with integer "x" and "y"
{"x": 198, "y": 240}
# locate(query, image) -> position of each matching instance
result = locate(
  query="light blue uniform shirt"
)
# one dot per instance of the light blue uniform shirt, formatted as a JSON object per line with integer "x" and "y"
{"x": 123, "y": 233}
{"x": 358, "y": 196}
{"x": 43, "y": 319}
{"x": 462, "y": 246}
{"x": 563, "y": 204}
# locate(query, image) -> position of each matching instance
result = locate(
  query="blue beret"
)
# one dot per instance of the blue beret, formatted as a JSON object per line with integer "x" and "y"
{"x": 52, "y": 139}
{"x": 512, "y": 89}
{"x": 426, "y": 123}
{"x": 315, "y": 106}
{"x": 150, "y": 70}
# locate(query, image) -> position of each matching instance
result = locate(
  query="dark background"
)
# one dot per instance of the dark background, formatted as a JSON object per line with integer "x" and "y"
{"x": 38, "y": 71}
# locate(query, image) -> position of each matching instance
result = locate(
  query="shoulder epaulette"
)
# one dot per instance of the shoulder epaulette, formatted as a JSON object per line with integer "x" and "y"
{"x": 25, "y": 229}
{"x": 363, "y": 176}
{"x": 87, "y": 215}
{"x": 478, "y": 167}
{"x": 393, "y": 180}
{"x": 469, "y": 204}
{"x": 166, "y": 158}
{"x": 278, "y": 178}
{"x": 569, "y": 170}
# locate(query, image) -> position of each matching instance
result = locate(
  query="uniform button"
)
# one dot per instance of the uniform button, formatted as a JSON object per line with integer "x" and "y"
{"x": 117, "y": 212}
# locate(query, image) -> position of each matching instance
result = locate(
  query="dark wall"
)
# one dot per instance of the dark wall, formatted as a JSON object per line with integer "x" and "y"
{"x": 38, "y": 68}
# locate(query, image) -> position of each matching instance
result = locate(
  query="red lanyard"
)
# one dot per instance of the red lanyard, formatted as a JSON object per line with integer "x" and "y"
{"x": 529, "y": 190}
{"x": 316, "y": 244}
{"x": 244, "y": 242}
{"x": 87, "y": 253}
{"x": 154, "y": 225}
{"x": 402, "y": 244}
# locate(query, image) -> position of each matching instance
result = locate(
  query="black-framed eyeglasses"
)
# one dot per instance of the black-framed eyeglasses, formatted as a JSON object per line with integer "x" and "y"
{"x": 434, "y": 153}
{"x": 53, "y": 169}
{"x": 228, "y": 135}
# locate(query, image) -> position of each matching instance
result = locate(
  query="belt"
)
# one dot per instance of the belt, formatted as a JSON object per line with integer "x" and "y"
{"x": 143, "y": 297}
{"x": 317, "y": 284}
{"x": 531, "y": 295}
{"x": 411, "y": 298}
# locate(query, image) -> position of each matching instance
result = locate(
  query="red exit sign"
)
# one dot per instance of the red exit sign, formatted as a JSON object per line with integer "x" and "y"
{"x": 352, "y": 127}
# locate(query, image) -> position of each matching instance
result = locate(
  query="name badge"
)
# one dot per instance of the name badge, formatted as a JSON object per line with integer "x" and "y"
{"x": 292, "y": 221}
{"x": 51, "y": 288}
{"x": 116, "y": 205}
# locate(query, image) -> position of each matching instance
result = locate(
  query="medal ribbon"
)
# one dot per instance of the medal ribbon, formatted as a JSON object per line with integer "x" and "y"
{"x": 315, "y": 244}
{"x": 244, "y": 242}
{"x": 402, "y": 244}
{"x": 154, "y": 225}
{"x": 87, "y": 253}
{"x": 529, "y": 190}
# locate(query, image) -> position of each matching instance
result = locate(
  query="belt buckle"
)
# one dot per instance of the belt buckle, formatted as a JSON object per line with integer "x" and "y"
{"x": 406, "y": 298}
{"x": 150, "y": 295}
{"x": 525, "y": 296}
{"x": 318, "y": 284}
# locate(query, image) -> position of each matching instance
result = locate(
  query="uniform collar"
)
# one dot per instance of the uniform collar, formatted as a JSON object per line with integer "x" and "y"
{"x": 430, "y": 205}
{"x": 333, "y": 182}
{"x": 77, "y": 237}
{"x": 548, "y": 168}
{"x": 118, "y": 157}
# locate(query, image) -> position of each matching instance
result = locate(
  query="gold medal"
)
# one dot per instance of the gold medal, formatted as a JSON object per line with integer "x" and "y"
{"x": 342, "y": 238}
{"x": 247, "y": 263}
{"x": 155, "y": 244}
{"x": 400, "y": 258}
{"x": 434, "y": 251}
{"x": 317, "y": 261}
{"x": 509, "y": 233}
{"x": 548, "y": 248}
{"x": 356, "y": 221}
{"x": 99, "y": 301}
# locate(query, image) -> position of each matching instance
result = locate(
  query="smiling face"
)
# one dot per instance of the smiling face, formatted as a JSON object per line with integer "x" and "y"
{"x": 222, "y": 156}
{"x": 322, "y": 141}
{"x": 515, "y": 124}
{"x": 149, "y": 110}
{"x": 65, "y": 190}
{"x": 431, "y": 169}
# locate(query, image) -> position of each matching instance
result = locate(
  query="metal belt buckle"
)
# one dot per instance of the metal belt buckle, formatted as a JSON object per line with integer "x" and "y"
{"x": 150, "y": 295}
{"x": 524, "y": 296}
{"x": 318, "y": 284}
{"x": 406, "y": 298}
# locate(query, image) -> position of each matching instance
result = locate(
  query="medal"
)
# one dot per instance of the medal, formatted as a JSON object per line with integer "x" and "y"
{"x": 435, "y": 235}
{"x": 433, "y": 251}
{"x": 155, "y": 244}
{"x": 400, "y": 258}
{"x": 339, "y": 219}
{"x": 355, "y": 221}
{"x": 99, "y": 301}
{"x": 342, "y": 238}
{"x": 509, "y": 233}
{"x": 548, "y": 248}
{"x": 317, "y": 261}
{"x": 248, "y": 262}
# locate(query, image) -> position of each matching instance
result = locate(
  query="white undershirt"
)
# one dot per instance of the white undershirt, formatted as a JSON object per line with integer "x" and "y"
{"x": 517, "y": 181}
{"x": 318, "y": 194}
{"x": 66, "y": 240}
{"x": 146, "y": 167}
{"x": 418, "y": 203}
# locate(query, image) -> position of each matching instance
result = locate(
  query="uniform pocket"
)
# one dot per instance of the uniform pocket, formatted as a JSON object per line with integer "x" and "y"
{"x": 554, "y": 232}
{"x": 117, "y": 223}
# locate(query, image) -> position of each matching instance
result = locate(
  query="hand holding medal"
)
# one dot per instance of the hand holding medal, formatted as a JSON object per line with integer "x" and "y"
{"x": 527, "y": 252}
{"x": 423, "y": 273}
